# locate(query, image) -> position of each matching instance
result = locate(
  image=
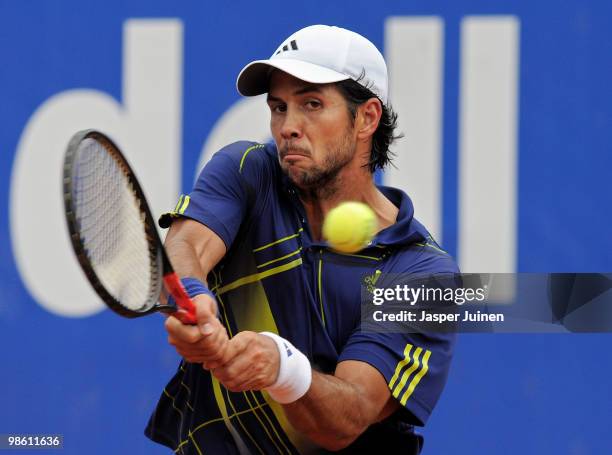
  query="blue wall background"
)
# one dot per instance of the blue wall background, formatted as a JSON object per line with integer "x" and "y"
{"x": 96, "y": 379}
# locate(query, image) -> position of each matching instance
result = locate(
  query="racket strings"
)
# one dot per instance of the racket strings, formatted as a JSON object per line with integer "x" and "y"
{"x": 112, "y": 227}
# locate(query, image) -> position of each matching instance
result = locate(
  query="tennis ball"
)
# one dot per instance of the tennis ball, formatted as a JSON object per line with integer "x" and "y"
{"x": 349, "y": 227}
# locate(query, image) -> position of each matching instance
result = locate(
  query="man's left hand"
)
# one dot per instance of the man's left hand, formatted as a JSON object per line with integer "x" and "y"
{"x": 253, "y": 364}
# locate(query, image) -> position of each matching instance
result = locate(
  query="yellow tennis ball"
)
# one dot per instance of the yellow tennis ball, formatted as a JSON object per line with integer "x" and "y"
{"x": 349, "y": 227}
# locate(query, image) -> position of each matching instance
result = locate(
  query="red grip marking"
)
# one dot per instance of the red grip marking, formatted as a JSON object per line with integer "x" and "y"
{"x": 186, "y": 312}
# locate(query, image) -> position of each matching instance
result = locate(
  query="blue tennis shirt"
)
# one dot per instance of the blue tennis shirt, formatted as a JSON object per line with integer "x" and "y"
{"x": 276, "y": 278}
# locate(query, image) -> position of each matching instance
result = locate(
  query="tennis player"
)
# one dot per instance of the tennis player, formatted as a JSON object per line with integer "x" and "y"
{"x": 277, "y": 362}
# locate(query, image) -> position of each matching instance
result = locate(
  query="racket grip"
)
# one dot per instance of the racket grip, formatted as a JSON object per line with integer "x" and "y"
{"x": 187, "y": 312}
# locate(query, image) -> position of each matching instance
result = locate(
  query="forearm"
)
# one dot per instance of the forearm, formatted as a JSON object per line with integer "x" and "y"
{"x": 184, "y": 259}
{"x": 193, "y": 249}
{"x": 333, "y": 413}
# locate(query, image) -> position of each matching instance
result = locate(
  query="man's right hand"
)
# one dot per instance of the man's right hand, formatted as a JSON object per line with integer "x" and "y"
{"x": 207, "y": 341}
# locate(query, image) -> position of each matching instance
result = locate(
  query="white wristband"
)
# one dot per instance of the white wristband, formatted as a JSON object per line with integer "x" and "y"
{"x": 294, "y": 373}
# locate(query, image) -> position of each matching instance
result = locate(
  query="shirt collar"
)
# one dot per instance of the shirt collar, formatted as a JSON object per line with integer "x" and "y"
{"x": 406, "y": 229}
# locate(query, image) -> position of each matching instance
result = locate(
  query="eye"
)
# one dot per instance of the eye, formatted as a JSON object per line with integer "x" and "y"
{"x": 313, "y": 104}
{"x": 278, "y": 108}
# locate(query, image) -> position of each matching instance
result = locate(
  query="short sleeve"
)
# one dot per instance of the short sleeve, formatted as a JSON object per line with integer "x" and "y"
{"x": 223, "y": 192}
{"x": 415, "y": 366}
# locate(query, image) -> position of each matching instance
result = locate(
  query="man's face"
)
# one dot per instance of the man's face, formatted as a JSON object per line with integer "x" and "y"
{"x": 312, "y": 128}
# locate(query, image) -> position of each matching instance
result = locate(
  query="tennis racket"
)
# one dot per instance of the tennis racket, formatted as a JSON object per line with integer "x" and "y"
{"x": 113, "y": 233}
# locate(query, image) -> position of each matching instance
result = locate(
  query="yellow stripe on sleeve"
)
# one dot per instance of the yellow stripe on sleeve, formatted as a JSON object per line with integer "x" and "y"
{"x": 417, "y": 378}
{"x": 408, "y": 372}
{"x": 185, "y": 205}
{"x": 178, "y": 204}
{"x": 401, "y": 364}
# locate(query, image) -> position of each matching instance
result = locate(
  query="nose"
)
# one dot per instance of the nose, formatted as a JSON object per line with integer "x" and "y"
{"x": 292, "y": 125}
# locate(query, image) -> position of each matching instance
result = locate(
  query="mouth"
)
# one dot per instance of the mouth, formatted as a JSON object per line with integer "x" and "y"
{"x": 292, "y": 154}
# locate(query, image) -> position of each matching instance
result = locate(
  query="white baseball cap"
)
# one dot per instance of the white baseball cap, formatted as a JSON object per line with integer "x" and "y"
{"x": 320, "y": 54}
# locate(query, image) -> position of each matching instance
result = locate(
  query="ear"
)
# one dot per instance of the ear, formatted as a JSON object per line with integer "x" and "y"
{"x": 368, "y": 117}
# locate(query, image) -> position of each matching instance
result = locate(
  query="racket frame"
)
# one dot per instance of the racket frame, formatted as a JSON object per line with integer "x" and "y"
{"x": 185, "y": 309}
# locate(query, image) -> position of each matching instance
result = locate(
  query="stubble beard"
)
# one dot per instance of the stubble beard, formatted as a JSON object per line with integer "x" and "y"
{"x": 321, "y": 181}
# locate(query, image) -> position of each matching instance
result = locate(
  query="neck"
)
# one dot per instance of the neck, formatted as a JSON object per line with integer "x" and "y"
{"x": 353, "y": 183}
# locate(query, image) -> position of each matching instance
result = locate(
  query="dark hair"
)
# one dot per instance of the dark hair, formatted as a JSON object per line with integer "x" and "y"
{"x": 356, "y": 94}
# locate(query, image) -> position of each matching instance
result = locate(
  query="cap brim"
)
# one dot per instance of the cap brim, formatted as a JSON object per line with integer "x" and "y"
{"x": 254, "y": 78}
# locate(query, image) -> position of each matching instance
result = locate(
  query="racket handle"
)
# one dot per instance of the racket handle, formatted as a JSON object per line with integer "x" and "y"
{"x": 186, "y": 312}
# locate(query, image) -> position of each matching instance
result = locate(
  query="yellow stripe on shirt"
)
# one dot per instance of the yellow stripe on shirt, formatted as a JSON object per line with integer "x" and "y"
{"x": 246, "y": 152}
{"x": 178, "y": 204}
{"x": 415, "y": 382}
{"x": 401, "y": 364}
{"x": 259, "y": 276}
{"x": 276, "y": 242}
{"x": 408, "y": 372}
{"x": 280, "y": 259}
{"x": 185, "y": 205}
